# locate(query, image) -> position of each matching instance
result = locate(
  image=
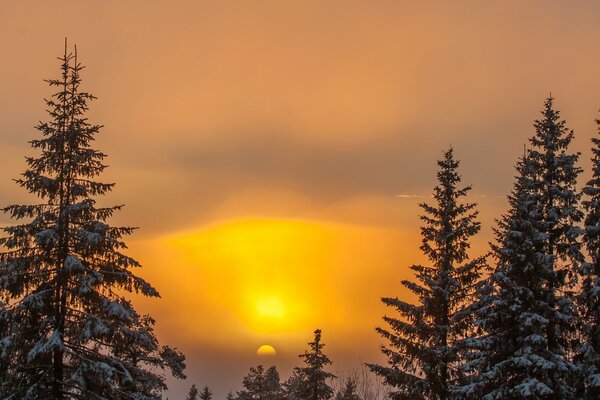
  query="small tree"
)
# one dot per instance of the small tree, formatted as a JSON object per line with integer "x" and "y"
{"x": 589, "y": 353}
{"x": 310, "y": 381}
{"x": 348, "y": 392}
{"x": 261, "y": 384}
{"x": 423, "y": 341}
{"x": 206, "y": 393}
{"x": 293, "y": 386}
{"x": 193, "y": 393}
{"x": 66, "y": 329}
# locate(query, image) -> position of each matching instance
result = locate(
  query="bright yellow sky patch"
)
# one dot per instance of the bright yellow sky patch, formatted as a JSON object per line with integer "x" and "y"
{"x": 271, "y": 265}
{"x": 270, "y": 279}
{"x": 269, "y": 307}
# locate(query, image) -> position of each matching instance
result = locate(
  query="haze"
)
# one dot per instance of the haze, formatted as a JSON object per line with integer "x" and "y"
{"x": 274, "y": 152}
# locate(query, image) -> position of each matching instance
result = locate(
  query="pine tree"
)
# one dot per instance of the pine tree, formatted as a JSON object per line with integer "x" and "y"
{"x": 261, "y": 384}
{"x": 230, "y": 396}
{"x": 310, "y": 381}
{"x": 348, "y": 392}
{"x": 512, "y": 358}
{"x": 422, "y": 348}
{"x": 293, "y": 385}
{"x": 526, "y": 316}
{"x": 589, "y": 353}
{"x": 66, "y": 330}
{"x": 193, "y": 393}
{"x": 558, "y": 197}
{"x": 206, "y": 393}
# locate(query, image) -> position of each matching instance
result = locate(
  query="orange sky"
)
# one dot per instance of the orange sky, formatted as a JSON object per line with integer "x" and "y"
{"x": 273, "y": 152}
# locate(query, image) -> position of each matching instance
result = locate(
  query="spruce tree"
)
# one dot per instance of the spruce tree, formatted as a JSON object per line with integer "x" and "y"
{"x": 193, "y": 394}
{"x": 526, "y": 314}
{"x": 348, "y": 392}
{"x": 66, "y": 328}
{"x": 511, "y": 357}
{"x": 261, "y": 384}
{"x": 557, "y": 194}
{"x": 422, "y": 347}
{"x": 206, "y": 393}
{"x": 310, "y": 382}
{"x": 589, "y": 353}
{"x": 292, "y": 386}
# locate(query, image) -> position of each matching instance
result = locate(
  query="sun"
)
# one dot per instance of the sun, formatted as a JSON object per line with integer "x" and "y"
{"x": 266, "y": 350}
{"x": 267, "y": 276}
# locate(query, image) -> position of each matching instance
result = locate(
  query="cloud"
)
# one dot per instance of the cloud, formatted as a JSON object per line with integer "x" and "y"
{"x": 328, "y": 111}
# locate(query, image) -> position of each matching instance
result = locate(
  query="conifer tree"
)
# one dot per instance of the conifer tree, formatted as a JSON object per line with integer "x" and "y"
{"x": 589, "y": 353}
{"x": 311, "y": 379}
{"x": 66, "y": 329}
{"x": 292, "y": 386}
{"x": 193, "y": 393}
{"x": 348, "y": 392}
{"x": 261, "y": 384}
{"x": 558, "y": 197}
{"x": 422, "y": 342}
{"x": 206, "y": 393}
{"x": 526, "y": 316}
{"x": 511, "y": 358}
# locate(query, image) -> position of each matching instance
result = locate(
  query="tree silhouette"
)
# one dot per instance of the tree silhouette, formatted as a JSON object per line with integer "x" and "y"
{"x": 66, "y": 329}
{"x": 589, "y": 352}
{"x": 423, "y": 342}
{"x": 526, "y": 315}
{"x": 206, "y": 393}
{"x": 261, "y": 384}
{"x": 310, "y": 381}
{"x": 193, "y": 394}
{"x": 348, "y": 392}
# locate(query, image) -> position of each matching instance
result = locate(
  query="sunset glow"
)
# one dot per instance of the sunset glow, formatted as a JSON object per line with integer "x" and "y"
{"x": 268, "y": 278}
{"x": 267, "y": 263}
{"x": 274, "y": 154}
{"x": 270, "y": 307}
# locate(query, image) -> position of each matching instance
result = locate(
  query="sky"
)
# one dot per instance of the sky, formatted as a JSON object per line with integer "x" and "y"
{"x": 273, "y": 153}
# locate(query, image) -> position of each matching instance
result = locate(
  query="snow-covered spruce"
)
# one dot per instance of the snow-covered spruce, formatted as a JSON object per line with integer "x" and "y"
{"x": 422, "y": 351}
{"x": 66, "y": 330}
{"x": 310, "y": 382}
{"x": 526, "y": 317}
{"x": 589, "y": 353}
{"x": 261, "y": 384}
{"x": 558, "y": 197}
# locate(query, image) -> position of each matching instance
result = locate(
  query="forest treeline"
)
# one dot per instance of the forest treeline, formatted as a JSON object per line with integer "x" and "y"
{"x": 311, "y": 381}
{"x": 521, "y": 322}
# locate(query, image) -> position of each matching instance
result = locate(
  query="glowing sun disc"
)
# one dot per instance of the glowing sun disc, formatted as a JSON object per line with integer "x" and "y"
{"x": 266, "y": 350}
